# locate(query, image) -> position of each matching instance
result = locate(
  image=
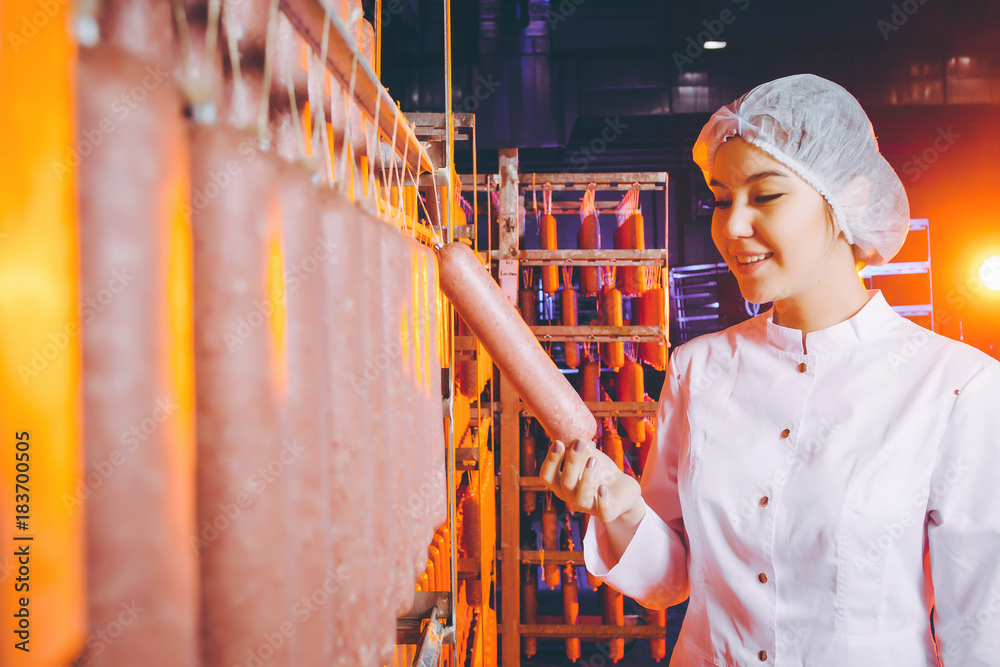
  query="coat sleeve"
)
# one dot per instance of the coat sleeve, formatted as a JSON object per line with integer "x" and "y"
{"x": 653, "y": 569}
{"x": 963, "y": 529}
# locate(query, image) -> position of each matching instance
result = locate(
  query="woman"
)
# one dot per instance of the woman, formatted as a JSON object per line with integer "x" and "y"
{"x": 823, "y": 476}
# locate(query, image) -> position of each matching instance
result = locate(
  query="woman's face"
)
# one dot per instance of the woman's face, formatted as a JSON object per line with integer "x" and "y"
{"x": 771, "y": 226}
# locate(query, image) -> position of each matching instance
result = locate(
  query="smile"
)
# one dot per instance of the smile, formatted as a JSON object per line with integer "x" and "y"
{"x": 750, "y": 259}
{"x": 747, "y": 264}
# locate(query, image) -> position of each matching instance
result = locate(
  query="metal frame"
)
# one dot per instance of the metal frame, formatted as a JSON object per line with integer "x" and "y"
{"x": 508, "y": 259}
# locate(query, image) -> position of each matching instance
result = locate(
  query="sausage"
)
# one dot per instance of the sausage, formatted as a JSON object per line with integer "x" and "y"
{"x": 652, "y": 312}
{"x": 631, "y": 235}
{"x": 569, "y": 319}
{"x": 362, "y": 574}
{"x": 611, "y": 444}
{"x": 647, "y": 445}
{"x": 529, "y": 468}
{"x": 571, "y": 603}
{"x": 515, "y": 350}
{"x": 613, "y": 613}
{"x": 611, "y": 307}
{"x": 529, "y": 606}
{"x": 138, "y": 399}
{"x": 590, "y": 381}
{"x": 550, "y": 538}
{"x": 471, "y": 540}
{"x": 632, "y": 389}
{"x": 527, "y": 302}
{"x": 549, "y": 241}
{"x": 589, "y": 238}
{"x": 244, "y": 582}
{"x": 304, "y": 298}
{"x": 434, "y": 476}
{"x": 657, "y": 647}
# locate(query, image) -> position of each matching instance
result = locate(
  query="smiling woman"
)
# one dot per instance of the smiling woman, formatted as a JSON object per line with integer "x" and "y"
{"x": 810, "y": 489}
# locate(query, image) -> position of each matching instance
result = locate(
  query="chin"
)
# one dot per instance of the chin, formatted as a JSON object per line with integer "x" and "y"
{"x": 758, "y": 294}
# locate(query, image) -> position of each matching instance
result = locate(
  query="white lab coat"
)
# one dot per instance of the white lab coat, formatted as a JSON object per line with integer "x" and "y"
{"x": 817, "y": 503}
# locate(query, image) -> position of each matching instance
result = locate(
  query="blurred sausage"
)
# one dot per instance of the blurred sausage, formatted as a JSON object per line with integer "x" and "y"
{"x": 138, "y": 403}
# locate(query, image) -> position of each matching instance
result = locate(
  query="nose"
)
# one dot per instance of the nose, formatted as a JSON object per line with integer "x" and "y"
{"x": 737, "y": 221}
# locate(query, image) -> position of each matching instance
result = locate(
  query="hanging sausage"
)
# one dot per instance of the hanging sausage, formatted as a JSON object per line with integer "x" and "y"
{"x": 570, "y": 318}
{"x": 515, "y": 350}
{"x": 652, "y": 312}
{"x": 549, "y": 241}
{"x": 632, "y": 389}
{"x": 138, "y": 401}
{"x": 611, "y": 307}
{"x": 550, "y": 538}
{"x": 529, "y": 606}
{"x": 529, "y": 468}
{"x": 589, "y": 238}
{"x": 571, "y": 603}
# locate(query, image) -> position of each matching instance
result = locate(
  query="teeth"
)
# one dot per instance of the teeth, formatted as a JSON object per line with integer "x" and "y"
{"x": 752, "y": 258}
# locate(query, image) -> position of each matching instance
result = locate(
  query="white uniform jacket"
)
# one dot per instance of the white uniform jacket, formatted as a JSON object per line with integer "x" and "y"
{"x": 816, "y": 499}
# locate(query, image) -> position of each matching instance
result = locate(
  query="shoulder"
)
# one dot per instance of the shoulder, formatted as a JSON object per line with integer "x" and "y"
{"x": 717, "y": 346}
{"x": 937, "y": 355}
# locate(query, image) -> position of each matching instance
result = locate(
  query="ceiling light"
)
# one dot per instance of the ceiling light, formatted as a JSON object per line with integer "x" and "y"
{"x": 715, "y": 45}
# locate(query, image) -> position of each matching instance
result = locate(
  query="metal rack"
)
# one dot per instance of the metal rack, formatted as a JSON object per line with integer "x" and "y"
{"x": 508, "y": 258}
{"x": 906, "y": 268}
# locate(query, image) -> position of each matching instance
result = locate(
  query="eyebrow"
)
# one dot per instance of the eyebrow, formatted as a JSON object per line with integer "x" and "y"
{"x": 754, "y": 178}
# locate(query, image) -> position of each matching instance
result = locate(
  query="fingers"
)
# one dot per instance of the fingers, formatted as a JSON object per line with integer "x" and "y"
{"x": 549, "y": 471}
{"x": 586, "y": 490}
{"x": 574, "y": 461}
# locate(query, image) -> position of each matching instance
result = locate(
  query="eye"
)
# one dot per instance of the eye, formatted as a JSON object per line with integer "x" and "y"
{"x": 720, "y": 203}
{"x": 763, "y": 199}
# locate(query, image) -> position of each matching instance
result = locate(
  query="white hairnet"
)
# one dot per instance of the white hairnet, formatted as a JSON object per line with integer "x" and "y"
{"x": 818, "y": 130}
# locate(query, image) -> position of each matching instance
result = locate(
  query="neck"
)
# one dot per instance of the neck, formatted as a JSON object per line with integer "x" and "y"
{"x": 822, "y": 305}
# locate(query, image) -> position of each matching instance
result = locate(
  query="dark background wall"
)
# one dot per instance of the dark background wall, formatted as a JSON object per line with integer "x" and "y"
{"x": 607, "y": 85}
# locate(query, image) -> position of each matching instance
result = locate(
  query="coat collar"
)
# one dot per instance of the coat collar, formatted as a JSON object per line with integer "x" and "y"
{"x": 852, "y": 331}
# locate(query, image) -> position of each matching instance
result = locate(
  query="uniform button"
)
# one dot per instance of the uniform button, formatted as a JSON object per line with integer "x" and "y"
{"x": 763, "y": 501}
{"x": 763, "y": 656}
{"x": 785, "y": 433}
{"x": 803, "y": 367}
{"x": 762, "y": 578}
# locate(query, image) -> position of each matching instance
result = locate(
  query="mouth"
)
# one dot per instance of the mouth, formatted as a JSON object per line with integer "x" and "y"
{"x": 749, "y": 263}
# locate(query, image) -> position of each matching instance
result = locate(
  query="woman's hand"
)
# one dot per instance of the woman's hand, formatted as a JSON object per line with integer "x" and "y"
{"x": 588, "y": 481}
